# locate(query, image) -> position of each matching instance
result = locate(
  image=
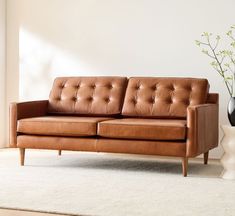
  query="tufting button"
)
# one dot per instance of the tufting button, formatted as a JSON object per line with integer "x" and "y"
{"x": 152, "y": 100}
{"x": 107, "y": 100}
{"x": 169, "y": 100}
{"x": 134, "y": 101}
{"x": 188, "y": 88}
{"x": 109, "y": 86}
{"x": 93, "y": 86}
{"x": 154, "y": 88}
{"x": 90, "y": 98}
{"x": 171, "y": 88}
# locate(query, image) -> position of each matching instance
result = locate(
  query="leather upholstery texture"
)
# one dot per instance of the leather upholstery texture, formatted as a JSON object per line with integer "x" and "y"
{"x": 87, "y": 95}
{"x": 163, "y": 97}
{"x": 56, "y": 143}
{"x": 213, "y": 98}
{"x": 146, "y": 147}
{"x": 142, "y": 115}
{"x": 60, "y": 125}
{"x": 203, "y": 129}
{"x": 148, "y": 129}
{"x": 24, "y": 110}
{"x": 102, "y": 145}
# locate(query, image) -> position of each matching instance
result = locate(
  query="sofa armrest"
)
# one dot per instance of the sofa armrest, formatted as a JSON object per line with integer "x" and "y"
{"x": 202, "y": 129}
{"x": 24, "y": 110}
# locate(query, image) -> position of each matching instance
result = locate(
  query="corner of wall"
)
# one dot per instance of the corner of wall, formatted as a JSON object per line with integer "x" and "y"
{"x": 2, "y": 73}
{"x": 12, "y": 59}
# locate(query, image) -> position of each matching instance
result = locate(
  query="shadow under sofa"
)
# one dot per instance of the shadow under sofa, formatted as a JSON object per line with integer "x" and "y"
{"x": 140, "y": 115}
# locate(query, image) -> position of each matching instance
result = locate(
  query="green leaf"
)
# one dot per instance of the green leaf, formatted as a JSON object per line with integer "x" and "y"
{"x": 229, "y": 33}
{"x": 214, "y": 64}
{"x": 205, "y": 51}
{"x": 229, "y": 52}
{"x": 198, "y": 43}
{"x": 226, "y": 52}
{"x": 205, "y": 34}
{"x": 233, "y": 44}
{"x": 228, "y": 78}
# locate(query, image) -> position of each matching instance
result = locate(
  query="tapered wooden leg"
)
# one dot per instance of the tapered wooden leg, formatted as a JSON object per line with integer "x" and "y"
{"x": 184, "y": 166}
{"x": 206, "y": 157}
{"x": 59, "y": 153}
{"x": 22, "y": 156}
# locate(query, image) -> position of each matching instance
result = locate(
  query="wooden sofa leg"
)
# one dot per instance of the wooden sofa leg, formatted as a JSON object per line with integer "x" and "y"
{"x": 59, "y": 153}
{"x": 184, "y": 166}
{"x": 206, "y": 157}
{"x": 22, "y": 156}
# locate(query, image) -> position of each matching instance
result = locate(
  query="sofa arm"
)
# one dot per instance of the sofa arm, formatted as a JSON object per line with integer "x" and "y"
{"x": 202, "y": 129}
{"x": 24, "y": 110}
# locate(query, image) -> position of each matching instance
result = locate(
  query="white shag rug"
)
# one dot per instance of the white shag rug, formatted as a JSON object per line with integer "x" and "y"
{"x": 100, "y": 184}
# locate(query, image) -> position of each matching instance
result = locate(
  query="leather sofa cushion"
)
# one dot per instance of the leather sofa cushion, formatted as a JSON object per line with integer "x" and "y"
{"x": 57, "y": 142}
{"x": 163, "y": 97}
{"x": 147, "y": 129}
{"x": 102, "y": 96}
{"x": 60, "y": 125}
{"x": 146, "y": 147}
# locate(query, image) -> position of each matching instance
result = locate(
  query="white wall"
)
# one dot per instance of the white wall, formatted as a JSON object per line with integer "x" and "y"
{"x": 116, "y": 37}
{"x": 2, "y": 72}
{"x": 12, "y": 57}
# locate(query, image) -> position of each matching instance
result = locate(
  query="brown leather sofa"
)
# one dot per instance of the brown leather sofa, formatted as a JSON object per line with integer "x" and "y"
{"x": 140, "y": 115}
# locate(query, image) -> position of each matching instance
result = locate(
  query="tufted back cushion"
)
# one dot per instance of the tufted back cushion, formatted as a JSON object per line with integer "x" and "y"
{"x": 87, "y": 95}
{"x": 163, "y": 97}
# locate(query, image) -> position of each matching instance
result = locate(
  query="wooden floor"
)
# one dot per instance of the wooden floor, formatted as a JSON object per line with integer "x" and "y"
{"x": 9, "y": 212}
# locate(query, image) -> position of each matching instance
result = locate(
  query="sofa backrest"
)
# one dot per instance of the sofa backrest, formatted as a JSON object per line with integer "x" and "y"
{"x": 163, "y": 97}
{"x": 87, "y": 95}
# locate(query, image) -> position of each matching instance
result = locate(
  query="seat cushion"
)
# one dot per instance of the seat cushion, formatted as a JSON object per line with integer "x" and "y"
{"x": 159, "y": 97}
{"x": 147, "y": 129}
{"x": 60, "y": 125}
